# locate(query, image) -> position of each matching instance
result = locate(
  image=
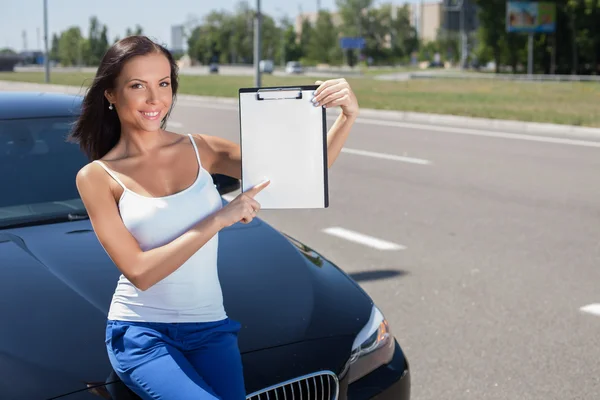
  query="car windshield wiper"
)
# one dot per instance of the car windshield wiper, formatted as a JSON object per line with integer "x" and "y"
{"x": 44, "y": 220}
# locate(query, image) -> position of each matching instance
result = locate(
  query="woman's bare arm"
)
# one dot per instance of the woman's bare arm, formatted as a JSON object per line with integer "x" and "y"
{"x": 146, "y": 268}
{"x": 225, "y": 155}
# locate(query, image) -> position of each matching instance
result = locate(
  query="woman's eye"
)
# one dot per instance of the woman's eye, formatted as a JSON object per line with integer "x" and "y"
{"x": 164, "y": 84}
{"x": 136, "y": 86}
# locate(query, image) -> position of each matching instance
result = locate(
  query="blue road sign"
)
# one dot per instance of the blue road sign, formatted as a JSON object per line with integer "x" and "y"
{"x": 352, "y": 43}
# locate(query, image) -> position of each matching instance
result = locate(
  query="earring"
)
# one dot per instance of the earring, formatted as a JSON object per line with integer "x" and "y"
{"x": 110, "y": 107}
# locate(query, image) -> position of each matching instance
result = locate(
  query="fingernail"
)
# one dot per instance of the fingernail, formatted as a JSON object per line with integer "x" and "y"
{"x": 316, "y": 104}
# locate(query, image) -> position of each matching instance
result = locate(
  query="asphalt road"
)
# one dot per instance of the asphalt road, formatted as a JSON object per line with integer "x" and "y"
{"x": 490, "y": 250}
{"x": 483, "y": 249}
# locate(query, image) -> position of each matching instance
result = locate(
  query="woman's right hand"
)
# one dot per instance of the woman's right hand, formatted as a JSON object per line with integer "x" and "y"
{"x": 243, "y": 208}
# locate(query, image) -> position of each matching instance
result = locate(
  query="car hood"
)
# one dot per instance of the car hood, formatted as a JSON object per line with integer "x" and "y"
{"x": 56, "y": 283}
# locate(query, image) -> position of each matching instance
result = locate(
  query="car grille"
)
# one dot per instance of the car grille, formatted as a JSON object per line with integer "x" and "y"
{"x": 318, "y": 386}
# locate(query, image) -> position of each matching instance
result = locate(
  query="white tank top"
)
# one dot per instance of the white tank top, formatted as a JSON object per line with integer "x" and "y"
{"x": 192, "y": 293}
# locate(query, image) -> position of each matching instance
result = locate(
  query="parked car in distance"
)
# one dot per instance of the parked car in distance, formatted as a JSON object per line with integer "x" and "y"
{"x": 308, "y": 330}
{"x": 293, "y": 67}
{"x": 266, "y": 66}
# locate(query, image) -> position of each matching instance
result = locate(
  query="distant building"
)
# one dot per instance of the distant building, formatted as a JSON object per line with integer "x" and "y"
{"x": 470, "y": 21}
{"x": 336, "y": 18}
{"x": 177, "y": 38}
{"x": 426, "y": 17}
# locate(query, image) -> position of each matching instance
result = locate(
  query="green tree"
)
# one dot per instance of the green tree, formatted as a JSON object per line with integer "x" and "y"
{"x": 574, "y": 48}
{"x": 382, "y": 29}
{"x": 403, "y": 35}
{"x": 70, "y": 47}
{"x": 306, "y": 33}
{"x": 133, "y": 32}
{"x": 98, "y": 42}
{"x": 271, "y": 39}
{"x": 584, "y": 16}
{"x": 242, "y": 38}
{"x": 229, "y": 37}
{"x": 354, "y": 15}
{"x": 54, "y": 52}
{"x": 293, "y": 51}
{"x": 492, "y": 33}
{"x": 323, "y": 42}
{"x": 377, "y": 32}
{"x": 448, "y": 45}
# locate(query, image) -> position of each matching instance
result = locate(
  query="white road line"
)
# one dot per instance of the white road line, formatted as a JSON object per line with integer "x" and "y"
{"x": 386, "y": 156}
{"x": 477, "y": 132}
{"x": 174, "y": 124}
{"x": 593, "y": 309}
{"x": 360, "y": 238}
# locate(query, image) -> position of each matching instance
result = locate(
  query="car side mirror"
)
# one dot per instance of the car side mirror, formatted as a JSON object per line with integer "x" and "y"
{"x": 226, "y": 184}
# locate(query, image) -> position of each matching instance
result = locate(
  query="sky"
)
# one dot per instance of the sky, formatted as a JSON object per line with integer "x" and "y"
{"x": 155, "y": 16}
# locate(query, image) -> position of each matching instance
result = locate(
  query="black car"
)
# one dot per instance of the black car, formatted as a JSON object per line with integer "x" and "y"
{"x": 308, "y": 330}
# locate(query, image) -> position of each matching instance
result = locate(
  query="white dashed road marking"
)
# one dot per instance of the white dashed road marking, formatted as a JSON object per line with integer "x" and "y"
{"x": 360, "y": 238}
{"x": 384, "y": 156}
{"x": 593, "y": 309}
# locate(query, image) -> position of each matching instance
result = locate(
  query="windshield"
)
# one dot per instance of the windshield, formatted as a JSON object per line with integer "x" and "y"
{"x": 37, "y": 170}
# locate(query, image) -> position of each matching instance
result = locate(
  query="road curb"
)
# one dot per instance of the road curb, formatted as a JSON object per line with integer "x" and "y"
{"x": 401, "y": 116}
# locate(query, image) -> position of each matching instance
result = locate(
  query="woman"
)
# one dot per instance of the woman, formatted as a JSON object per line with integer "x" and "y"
{"x": 155, "y": 210}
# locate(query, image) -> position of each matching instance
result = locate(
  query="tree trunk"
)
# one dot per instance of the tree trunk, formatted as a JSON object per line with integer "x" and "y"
{"x": 574, "y": 66}
{"x": 497, "y": 57}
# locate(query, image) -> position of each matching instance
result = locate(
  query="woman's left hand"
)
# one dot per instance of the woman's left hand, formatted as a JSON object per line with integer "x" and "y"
{"x": 336, "y": 92}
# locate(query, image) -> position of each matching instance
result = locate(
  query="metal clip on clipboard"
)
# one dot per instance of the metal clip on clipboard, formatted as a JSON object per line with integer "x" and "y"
{"x": 279, "y": 94}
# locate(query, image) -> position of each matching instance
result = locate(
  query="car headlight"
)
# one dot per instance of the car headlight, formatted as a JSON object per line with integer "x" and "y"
{"x": 372, "y": 348}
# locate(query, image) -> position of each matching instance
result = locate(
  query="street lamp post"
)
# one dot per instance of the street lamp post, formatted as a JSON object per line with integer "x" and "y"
{"x": 47, "y": 55}
{"x": 257, "y": 45}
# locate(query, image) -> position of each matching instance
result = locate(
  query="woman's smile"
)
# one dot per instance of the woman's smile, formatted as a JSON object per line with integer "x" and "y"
{"x": 151, "y": 115}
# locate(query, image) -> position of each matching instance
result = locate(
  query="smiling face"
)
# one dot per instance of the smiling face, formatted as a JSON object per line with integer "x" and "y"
{"x": 142, "y": 95}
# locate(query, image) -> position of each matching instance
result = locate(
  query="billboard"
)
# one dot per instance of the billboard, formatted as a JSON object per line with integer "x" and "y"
{"x": 531, "y": 17}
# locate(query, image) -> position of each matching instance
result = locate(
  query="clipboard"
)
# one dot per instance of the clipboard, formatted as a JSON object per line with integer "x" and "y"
{"x": 283, "y": 138}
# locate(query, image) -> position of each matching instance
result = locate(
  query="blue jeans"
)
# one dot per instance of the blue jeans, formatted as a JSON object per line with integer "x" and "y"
{"x": 199, "y": 361}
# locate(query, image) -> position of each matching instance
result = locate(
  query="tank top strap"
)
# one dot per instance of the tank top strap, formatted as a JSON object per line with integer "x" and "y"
{"x": 196, "y": 150}
{"x": 111, "y": 173}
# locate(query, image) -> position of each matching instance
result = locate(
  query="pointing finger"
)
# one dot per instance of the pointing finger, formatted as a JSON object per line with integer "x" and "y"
{"x": 258, "y": 188}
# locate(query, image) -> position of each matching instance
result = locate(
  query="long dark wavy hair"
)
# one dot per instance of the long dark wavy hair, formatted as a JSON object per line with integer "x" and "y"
{"x": 98, "y": 129}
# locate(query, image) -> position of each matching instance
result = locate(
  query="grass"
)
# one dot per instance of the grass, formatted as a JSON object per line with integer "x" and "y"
{"x": 572, "y": 103}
